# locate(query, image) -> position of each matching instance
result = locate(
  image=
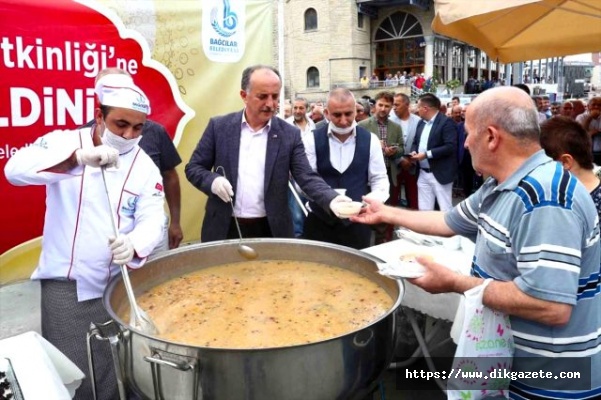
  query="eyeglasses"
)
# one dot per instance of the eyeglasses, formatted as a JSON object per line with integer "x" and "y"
{"x": 360, "y": 111}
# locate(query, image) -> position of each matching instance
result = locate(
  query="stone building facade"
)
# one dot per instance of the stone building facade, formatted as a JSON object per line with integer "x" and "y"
{"x": 330, "y": 53}
{"x": 330, "y": 43}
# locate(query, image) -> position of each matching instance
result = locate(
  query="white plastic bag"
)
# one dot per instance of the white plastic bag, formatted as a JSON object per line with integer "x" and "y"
{"x": 484, "y": 352}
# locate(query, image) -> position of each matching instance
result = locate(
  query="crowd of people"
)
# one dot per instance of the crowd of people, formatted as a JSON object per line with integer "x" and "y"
{"x": 390, "y": 80}
{"x": 420, "y": 81}
{"x": 532, "y": 201}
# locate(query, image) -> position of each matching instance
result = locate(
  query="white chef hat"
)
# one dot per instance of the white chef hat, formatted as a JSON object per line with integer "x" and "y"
{"x": 119, "y": 90}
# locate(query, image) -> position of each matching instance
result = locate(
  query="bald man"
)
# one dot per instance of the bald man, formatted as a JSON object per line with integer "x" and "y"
{"x": 347, "y": 157}
{"x": 537, "y": 236}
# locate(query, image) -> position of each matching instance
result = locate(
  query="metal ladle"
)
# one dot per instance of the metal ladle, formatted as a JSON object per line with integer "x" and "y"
{"x": 139, "y": 318}
{"x": 245, "y": 251}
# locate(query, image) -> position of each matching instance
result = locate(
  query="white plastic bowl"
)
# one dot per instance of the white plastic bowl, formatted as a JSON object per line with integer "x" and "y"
{"x": 349, "y": 209}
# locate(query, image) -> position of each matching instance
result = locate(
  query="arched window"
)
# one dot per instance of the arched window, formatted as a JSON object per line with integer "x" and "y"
{"x": 399, "y": 25}
{"x": 312, "y": 77}
{"x": 399, "y": 44}
{"x": 310, "y": 19}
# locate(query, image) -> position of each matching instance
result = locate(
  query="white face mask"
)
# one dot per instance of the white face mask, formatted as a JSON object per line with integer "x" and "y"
{"x": 117, "y": 142}
{"x": 342, "y": 131}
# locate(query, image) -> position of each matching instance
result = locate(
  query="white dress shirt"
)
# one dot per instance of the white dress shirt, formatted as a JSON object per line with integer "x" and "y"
{"x": 309, "y": 126}
{"x": 423, "y": 142}
{"x": 249, "y": 199}
{"x": 341, "y": 157}
{"x": 404, "y": 127}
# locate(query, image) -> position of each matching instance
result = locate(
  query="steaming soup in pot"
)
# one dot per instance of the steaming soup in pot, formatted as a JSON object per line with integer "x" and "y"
{"x": 260, "y": 304}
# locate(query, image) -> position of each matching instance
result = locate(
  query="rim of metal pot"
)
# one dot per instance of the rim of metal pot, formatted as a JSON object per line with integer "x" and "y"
{"x": 234, "y": 242}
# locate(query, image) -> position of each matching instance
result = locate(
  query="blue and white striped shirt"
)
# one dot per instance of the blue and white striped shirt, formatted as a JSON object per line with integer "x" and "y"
{"x": 540, "y": 229}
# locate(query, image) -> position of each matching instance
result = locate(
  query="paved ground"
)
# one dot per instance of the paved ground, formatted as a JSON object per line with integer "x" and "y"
{"x": 396, "y": 385}
{"x": 19, "y": 308}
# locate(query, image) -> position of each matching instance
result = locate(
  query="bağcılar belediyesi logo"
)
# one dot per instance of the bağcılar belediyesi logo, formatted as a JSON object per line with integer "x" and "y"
{"x": 223, "y": 37}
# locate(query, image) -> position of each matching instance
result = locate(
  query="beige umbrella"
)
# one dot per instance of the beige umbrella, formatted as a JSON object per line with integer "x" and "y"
{"x": 519, "y": 30}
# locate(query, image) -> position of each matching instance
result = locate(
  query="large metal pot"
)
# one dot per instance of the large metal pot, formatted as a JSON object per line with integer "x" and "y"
{"x": 344, "y": 367}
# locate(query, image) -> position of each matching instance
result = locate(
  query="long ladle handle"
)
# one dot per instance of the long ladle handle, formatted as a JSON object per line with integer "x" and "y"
{"x": 232, "y": 204}
{"x": 297, "y": 198}
{"x": 128, "y": 288}
{"x": 236, "y": 221}
{"x": 130, "y": 293}
{"x": 108, "y": 199}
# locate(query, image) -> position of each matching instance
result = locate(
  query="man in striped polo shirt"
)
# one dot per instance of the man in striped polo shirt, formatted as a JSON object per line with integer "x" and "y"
{"x": 537, "y": 235}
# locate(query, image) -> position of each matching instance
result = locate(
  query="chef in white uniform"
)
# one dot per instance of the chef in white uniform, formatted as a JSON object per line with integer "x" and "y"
{"x": 80, "y": 252}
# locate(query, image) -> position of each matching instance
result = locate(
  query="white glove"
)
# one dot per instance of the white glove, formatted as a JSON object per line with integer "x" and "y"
{"x": 222, "y": 188}
{"x": 378, "y": 196}
{"x": 98, "y": 156}
{"x": 335, "y": 204}
{"x": 122, "y": 249}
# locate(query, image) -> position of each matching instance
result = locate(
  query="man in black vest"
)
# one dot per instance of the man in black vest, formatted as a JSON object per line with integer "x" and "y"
{"x": 349, "y": 158}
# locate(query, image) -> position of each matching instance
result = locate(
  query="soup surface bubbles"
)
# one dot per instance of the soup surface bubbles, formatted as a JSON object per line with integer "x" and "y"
{"x": 261, "y": 304}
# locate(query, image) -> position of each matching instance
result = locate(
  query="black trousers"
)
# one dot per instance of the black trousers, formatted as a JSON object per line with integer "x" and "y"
{"x": 357, "y": 236}
{"x": 65, "y": 324}
{"x": 250, "y": 228}
{"x": 469, "y": 179}
{"x": 383, "y": 232}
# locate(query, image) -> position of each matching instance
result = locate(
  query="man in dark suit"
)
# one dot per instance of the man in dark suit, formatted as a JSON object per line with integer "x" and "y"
{"x": 467, "y": 176}
{"x": 435, "y": 152}
{"x": 251, "y": 153}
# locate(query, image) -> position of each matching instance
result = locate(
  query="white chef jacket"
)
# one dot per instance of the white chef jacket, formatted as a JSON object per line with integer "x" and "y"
{"x": 77, "y": 224}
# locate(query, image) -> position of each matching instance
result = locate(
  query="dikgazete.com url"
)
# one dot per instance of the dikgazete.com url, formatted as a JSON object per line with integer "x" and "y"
{"x": 497, "y": 373}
